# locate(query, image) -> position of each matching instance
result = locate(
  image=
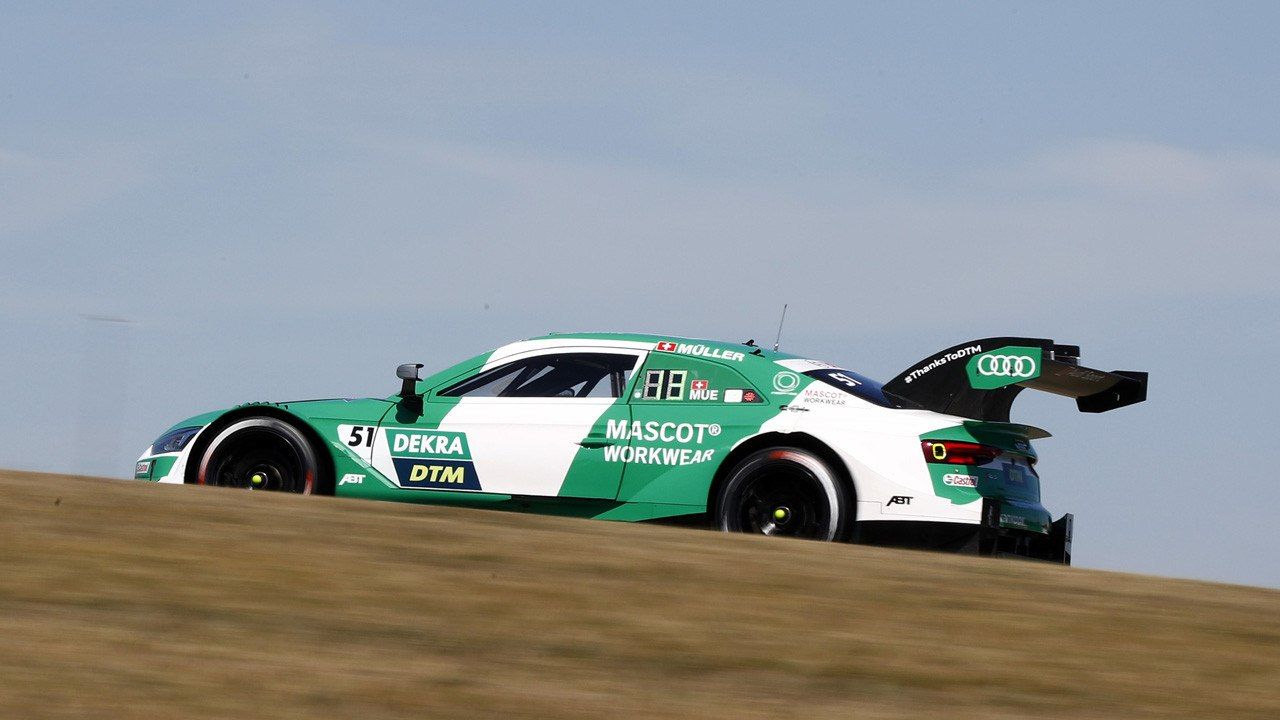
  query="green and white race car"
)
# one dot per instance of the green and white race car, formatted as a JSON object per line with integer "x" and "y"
{"x": 639, "y": 427}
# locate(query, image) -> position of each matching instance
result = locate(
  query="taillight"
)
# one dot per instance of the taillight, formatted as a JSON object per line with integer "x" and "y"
{"x": 958, "y": 452}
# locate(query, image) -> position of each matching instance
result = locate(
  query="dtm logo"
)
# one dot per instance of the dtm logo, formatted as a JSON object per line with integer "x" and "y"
{"x": 1005, "y": 366}
{"x": 444, "y": 474}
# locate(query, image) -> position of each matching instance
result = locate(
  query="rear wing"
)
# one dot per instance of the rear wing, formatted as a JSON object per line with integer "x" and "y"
{"x": 981, "y": 378}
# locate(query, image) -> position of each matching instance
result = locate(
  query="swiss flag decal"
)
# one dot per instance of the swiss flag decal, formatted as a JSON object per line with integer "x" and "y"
{"x": 665, "y": 346}
{"x": 699, "y": 385}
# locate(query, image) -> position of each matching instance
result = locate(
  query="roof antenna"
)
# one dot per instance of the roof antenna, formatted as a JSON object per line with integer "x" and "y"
{"x": 783, "y": 319}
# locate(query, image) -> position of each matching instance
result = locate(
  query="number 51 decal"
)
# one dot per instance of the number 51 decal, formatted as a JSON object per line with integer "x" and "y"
{"x": 358, "y": 435}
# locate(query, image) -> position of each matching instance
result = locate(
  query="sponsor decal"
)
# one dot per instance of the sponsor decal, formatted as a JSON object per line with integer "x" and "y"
{"x": 814, "y": 395}
{"x": 1085, "y": 374}
{"x": 900, "y": 500}
{"x": 701, "y": 390}
{"x": 439, "y": 444}
{"x": 699, "y": 350}
{"x": 1004, "y": 366}
{"x": 352, "y": 479}
{"x": 442, "y": 474}
{"x": 941, "y": 360}
{"x": 142, "y": 468}
{"x": 432, "y": 459}
{"x": 657, "y": 431}
{"x": 656, "y": 455}
{"x": 785, "y": 383}
{"x": 742, "y": 395}
{"x": 955, "y": 480}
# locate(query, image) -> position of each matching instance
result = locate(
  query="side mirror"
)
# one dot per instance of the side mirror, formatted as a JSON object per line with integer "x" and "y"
{"x": 408, "y": 374}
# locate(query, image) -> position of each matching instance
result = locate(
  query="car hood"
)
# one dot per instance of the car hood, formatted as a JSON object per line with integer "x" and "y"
{"x": 331, "y": 408}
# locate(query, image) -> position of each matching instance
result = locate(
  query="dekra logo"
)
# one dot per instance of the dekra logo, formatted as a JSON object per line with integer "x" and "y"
{"x": 428, "y": 444}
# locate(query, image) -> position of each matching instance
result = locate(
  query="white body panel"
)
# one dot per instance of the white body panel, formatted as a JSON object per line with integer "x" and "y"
{"x": 881, "y": 449}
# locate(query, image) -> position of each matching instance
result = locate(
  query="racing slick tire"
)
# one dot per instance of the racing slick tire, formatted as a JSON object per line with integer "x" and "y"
{"x": 785, "y": 491}
{"x": 261, "y": 453}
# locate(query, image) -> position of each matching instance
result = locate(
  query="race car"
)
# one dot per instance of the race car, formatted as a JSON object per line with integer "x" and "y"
{"x": 655, "y": 428}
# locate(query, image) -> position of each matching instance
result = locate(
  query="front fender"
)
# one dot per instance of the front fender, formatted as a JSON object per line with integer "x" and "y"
{"x": 171, "y": 467}
{"x": 318, "y": 419}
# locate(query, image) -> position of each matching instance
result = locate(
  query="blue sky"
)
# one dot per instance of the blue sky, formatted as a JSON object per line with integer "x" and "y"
{"x": 288, "y": 200}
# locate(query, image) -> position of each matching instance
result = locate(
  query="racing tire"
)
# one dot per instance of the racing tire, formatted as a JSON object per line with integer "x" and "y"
{"x": 261, "y": 453}
{"x": 785, "y": 491}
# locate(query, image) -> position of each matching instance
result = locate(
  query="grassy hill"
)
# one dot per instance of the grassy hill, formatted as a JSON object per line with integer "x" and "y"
{"x": 129, "y": 600}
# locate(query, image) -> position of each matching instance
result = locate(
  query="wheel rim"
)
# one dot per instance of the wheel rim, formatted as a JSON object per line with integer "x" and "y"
{"x": 784, "y": 499}
{"x": 259, "y": 459}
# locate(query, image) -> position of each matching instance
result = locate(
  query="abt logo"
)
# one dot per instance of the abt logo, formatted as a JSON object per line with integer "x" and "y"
{"x": 352, "y": 479}
{"x": 900, "y": 500}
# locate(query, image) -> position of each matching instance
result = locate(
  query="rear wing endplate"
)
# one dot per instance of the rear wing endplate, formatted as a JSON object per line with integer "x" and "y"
{"x": 980, "y": 379}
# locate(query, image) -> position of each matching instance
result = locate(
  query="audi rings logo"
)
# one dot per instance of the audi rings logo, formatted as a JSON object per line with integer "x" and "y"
{"x": 1016, "y": 366}
{"x": 1004, "y": 366}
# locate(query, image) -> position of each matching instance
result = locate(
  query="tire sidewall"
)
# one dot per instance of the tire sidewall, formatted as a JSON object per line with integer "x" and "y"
{"x": 286, "y": 430}
{"x": 838, "y": 496}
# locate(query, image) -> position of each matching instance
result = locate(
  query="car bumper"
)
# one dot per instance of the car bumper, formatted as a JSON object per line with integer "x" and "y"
{"x": 1002, "y": 532}
{"x": 996, "y": 535}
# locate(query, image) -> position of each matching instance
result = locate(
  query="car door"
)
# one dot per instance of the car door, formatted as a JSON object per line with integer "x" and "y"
{"x": 687, "y": 413}
{"x": 531, "y": 424}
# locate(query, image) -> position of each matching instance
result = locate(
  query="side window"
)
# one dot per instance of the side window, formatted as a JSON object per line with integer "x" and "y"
{"x": 677, "y": 378}
{"x": 567, "y": 375}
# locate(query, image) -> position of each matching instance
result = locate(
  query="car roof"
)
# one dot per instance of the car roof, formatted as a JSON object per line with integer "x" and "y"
{"x": 764, "y": 353}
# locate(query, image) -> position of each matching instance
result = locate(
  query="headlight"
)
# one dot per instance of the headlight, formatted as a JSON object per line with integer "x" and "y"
{"x": 174, "y": 440}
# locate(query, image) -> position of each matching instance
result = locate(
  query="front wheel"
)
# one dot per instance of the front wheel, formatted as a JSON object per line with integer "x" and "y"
{"x": 260, "y": 453}
{"x": 785, "y": 491}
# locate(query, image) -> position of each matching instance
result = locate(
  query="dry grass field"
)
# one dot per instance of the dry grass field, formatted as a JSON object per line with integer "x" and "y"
{"x": 129, "y": 600}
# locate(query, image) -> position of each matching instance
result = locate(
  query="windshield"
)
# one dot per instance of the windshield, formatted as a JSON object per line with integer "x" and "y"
{"x": 860, "y": 386}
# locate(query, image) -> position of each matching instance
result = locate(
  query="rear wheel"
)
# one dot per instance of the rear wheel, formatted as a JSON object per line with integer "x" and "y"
{"x": 261, "y": 453}
{"x": 785, "y": 491}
